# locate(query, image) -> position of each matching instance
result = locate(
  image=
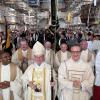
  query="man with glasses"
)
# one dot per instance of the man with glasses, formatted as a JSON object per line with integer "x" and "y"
{"x": 75, "y": 77}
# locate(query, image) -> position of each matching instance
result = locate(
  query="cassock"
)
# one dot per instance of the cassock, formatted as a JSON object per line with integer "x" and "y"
{"x": 41, "y": 75}
{"x": 11, "y": 73}
{"x": 50, "y": 57}
{"x": 70, "y": 71}
{"x": 88, "y": 57}
{"x": 18, "y": 56}
{"x": 61, "y": 57}
{"x": 96, "y": 93}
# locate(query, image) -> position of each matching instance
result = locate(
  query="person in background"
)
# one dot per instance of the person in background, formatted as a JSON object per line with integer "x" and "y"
{"x": 23, "y": 56}
{"x": 90, "y": 42}
{"x": 96, "y": 44}
{"x": 62, "y": 55}
{"x": 87, "y": 55}
{"x": 50, "y": 54}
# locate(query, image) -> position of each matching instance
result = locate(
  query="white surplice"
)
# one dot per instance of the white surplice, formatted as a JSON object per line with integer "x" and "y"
{"x": 15, "y": 85}
{"x": 96, "y": 45}
{"x": 61, "y": 57}
{"x": 87, "y": 54}
{"x": 50, "y": 57}
{"x": 90, "y": 45}
{"x": 70, "y": 71}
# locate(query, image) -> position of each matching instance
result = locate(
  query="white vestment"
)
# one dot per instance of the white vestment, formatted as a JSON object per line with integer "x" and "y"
{"x": 61, "y": 57}
{"x": 15, "y": 85}
{"x": 96, "y": 44}
{"x": 28, "y": 76}
{"x": 70, "y": 71}
{"x": 90, "y": 45}
{"x": 49, "y": 57}
{"x": 16, "y": 60}
{"x": 88, "y": 57}
{"x": 97, "y": 69}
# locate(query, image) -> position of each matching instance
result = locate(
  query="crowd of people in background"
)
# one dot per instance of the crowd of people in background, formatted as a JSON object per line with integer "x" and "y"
{"x": 70, "y": 35}
{"x": 73, "y": 55}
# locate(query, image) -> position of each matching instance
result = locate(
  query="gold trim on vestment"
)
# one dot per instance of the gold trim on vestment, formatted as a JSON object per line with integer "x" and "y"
{"x": 13, "y": 73}
{"x": 42, "y": 91}
{"x": 20, "y": 54}
{"x": 76, "y": 75}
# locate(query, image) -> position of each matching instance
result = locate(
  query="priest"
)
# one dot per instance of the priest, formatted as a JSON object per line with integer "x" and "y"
{"x": 75, "y": 77}
{"x": 62, "y": 55}
{"x": 86, "y": 55}
{"x": 37, "y": 78}
{"x": 50, "y": 54}
{"x": 10, "y": 82}
{"x": 23, "y": 56}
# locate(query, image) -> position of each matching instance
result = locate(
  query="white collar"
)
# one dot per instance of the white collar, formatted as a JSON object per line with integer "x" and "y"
{"x": 38, "y": 66}
{"x": 5, "y": 65}
{"x": 63, "y": 52}
{"x": 24, "y": 51}
{"x": 76, "y": 61}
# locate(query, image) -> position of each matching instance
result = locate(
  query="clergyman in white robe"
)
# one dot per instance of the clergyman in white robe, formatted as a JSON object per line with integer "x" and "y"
{"x": 17, "y": 61}
{"x": 50, "y": 57}
{"x": 15, "y": 85}
{"x": 28, "y": 77}
{"x": 70, "y": 71}
{"x": 61, "y": 57}
{"x": 88, "y": 57}
{"x": 39, "y": 74}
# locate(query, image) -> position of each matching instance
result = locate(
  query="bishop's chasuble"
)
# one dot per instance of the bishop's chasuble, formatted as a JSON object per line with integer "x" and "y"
{"x": 70, "y": 71}
{"x": 41, "y": 75}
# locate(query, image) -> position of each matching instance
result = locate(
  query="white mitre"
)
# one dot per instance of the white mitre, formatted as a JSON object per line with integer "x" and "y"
{"x": 38, "y": 49}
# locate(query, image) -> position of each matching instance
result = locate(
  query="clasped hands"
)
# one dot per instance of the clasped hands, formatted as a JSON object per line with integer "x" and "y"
{"x": 77, "y": 84}
{"x": 4, "y": 85}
